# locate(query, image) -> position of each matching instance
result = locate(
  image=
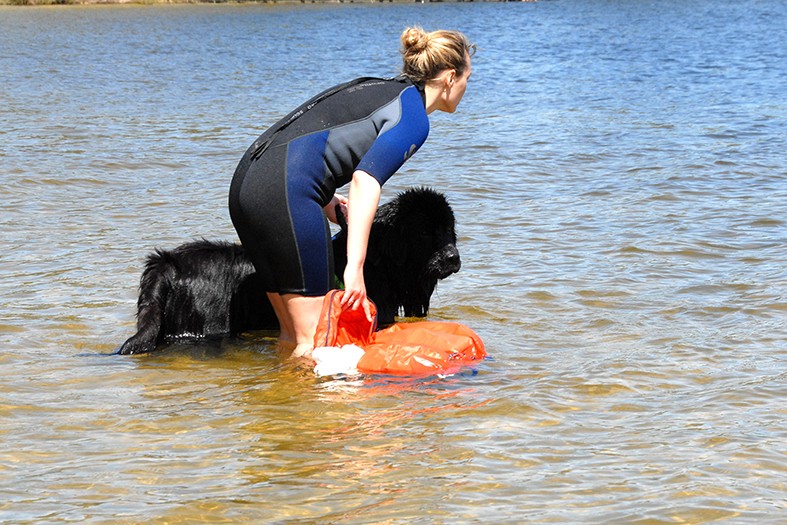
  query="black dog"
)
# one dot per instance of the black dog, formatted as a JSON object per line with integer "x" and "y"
{"x": 204, "y": 288}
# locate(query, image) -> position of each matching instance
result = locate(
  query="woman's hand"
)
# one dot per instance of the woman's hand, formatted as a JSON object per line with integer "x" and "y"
{"x": 355, "y": 291}
{"x": 330, "y": 208}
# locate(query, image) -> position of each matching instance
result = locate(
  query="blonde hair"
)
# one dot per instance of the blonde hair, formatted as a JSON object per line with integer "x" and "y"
{"x": 426, "y": 55}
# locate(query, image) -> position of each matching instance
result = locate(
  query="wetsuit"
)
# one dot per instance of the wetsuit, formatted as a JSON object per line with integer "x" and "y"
{"x": 293, "y": 169}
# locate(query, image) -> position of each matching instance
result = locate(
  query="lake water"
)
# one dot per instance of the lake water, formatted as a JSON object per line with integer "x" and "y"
{"x": 619, "y": 175}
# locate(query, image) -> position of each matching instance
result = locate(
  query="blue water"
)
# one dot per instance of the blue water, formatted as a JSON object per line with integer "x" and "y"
{"x": 619, "y": 177}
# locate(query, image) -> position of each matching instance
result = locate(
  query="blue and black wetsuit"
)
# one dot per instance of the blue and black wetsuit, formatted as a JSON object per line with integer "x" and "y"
{"x": 293, "y": 169}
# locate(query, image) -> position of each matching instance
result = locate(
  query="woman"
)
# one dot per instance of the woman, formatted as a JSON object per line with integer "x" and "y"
{"x": 358, "y": 133}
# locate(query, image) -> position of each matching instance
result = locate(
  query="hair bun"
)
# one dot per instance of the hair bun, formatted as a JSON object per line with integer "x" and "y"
{"x": 415, "y": 39}
{"x": 427, "y": 55}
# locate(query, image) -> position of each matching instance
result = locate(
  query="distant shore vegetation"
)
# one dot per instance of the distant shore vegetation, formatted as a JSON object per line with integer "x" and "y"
{"x": 151, "y": 2}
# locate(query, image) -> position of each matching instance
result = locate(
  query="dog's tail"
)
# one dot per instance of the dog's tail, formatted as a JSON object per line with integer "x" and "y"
{"x": 154, "y": 287}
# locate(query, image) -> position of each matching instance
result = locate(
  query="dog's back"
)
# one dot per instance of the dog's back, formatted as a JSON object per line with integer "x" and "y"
{"x": 198, "y": 290}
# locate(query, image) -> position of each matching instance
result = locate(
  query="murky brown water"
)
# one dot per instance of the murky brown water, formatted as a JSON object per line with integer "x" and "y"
{"x": 619, "y": 177}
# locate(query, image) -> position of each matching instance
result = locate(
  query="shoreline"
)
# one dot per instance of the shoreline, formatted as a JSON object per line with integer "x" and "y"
{"x": 33, "y": 3}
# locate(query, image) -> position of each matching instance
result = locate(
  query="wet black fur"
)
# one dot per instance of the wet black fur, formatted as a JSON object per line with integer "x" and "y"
{"x": 207, "y": 288}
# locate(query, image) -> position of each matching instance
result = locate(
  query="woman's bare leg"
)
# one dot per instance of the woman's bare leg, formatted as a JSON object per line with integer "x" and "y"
{"x": 305, "y": 314}
{"x": 287, "y": 335}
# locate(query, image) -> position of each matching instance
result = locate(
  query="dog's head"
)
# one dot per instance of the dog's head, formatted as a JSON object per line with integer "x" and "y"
{"x": 412, "y": 245}
{"x": 415, "y": 233}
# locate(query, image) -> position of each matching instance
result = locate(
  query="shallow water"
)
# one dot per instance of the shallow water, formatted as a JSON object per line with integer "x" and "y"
{"x": 619, "y": 177}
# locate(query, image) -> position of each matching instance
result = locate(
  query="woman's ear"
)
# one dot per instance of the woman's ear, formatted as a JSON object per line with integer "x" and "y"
{"x": 447, "y": 78}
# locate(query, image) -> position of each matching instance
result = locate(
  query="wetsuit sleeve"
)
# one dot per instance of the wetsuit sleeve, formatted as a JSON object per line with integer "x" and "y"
{"x": 400, "y": 137}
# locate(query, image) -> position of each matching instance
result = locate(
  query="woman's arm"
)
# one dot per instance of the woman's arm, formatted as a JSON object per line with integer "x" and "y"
{"x": 363, "y": 201}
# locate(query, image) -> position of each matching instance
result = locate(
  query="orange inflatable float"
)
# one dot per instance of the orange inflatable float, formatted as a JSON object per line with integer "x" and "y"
{"x": 419, "y": 348}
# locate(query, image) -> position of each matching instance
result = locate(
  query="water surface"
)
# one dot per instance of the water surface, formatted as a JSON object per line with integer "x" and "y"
{"x": 619, "y": 178}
